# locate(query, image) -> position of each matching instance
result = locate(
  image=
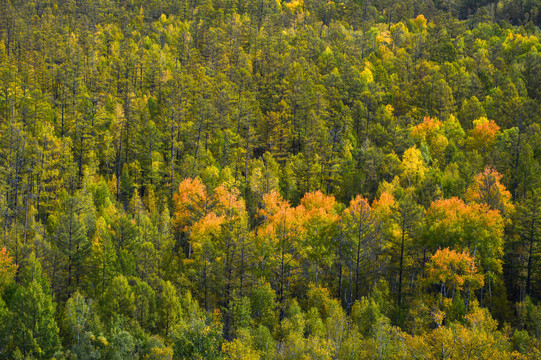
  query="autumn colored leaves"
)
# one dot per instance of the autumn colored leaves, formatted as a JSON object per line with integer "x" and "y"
{"x": 322, "y": 242}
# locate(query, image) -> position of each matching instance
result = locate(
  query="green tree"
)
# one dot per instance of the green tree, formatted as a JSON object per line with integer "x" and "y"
{"x": 197, "y": 338}
{"x": 361, "y": 228}
{"x": 77, "y": 316}
{"x": 528, "y": 219}
{"x": 102, "y": 258}
{"x": 169, "y": 311}
{"x": 406, "y": 214}
{"x": 118, "y": 300}
{"x": 145, "y": 305}
{"x": 35, "y": 331}
{"x": 71, "y": 239}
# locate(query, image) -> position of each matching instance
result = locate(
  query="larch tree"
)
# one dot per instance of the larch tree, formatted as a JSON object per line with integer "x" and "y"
{"x": 280, "y": 243}
{"x": 361, "y": 229}
{"x": 529, "y": 229}
{"x": 406, "y": 214}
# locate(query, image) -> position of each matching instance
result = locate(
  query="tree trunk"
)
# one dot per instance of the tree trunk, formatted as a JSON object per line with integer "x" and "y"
{"x": 528, "y": 278}
{"x": 401, "y": 270}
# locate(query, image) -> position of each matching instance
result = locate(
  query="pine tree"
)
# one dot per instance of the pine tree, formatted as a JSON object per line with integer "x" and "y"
{"x": 35, "y": 331}
{"x": 529, "y": 228}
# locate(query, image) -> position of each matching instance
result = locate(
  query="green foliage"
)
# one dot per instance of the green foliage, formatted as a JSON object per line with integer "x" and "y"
{"x": 197, "y": 338}
{"x": 119, "y": 299}
{"x": 122, "y": 346}
{"x": 263, "y": 300}
{"x": 35, "y": 331}
{"x": 270, "y": 179}
{"x": 168, "y": 307}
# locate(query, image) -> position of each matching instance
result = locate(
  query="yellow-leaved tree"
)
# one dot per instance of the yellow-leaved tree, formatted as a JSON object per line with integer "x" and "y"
{"x": 280, "y": 243}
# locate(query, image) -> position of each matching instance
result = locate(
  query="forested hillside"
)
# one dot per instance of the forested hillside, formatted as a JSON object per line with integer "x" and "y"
{"x": 269, "y": 179}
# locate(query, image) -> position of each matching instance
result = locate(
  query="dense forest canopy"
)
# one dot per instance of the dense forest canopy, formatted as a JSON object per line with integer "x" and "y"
{"x": 269, "y": 179}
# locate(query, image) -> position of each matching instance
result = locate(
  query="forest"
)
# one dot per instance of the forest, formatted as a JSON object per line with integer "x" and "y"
{"x": 270, "y": 179}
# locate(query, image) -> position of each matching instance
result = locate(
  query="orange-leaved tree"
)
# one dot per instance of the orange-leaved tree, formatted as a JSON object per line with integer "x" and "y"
{"x": 280, "y": 242}
{"x": 320, "y": 223}
{"x": 8, "y": 269}
{"x": 472, "y": 227}
{"x": 488, "y": 189}
{"x": 475, "y": 227}
{"x": 430, "y": 133}
{"x": 483, "y": 135}
{"x": 190, "y": 203}
{"x": 215, "y": 227}
{"x": 452, "y": 271}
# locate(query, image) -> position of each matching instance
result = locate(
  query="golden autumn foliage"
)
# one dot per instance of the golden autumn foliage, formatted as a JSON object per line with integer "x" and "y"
{"x": 204, "y": 229}
{"x": 278, "y": 216}
{"x": 413, "y": 166}
{"x": 270, "y": 179}
{"x": 319, "y": 206}
{"x": 431, "y": 133}
{"x": 426, "y": 130}
{"x": 228, "y": 202}
{"x": 453, "y": 270}
{"x": 203, "y": 214}
{"x": 483, "y": 134}
{"x": 282, "y": 228}
{"x": 320, "y": 220}
{"x": 7, "y": 268}
{"x": 384, "y": 204}
{"x": 238, "y": 349}
{"x": 474, "y": 227}
{"x": 488, "y": 189}
{"x": 190, "y": 202}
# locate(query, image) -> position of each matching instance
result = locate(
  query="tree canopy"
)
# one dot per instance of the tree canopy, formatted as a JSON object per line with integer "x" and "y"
{"x": 213, "y": 179}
